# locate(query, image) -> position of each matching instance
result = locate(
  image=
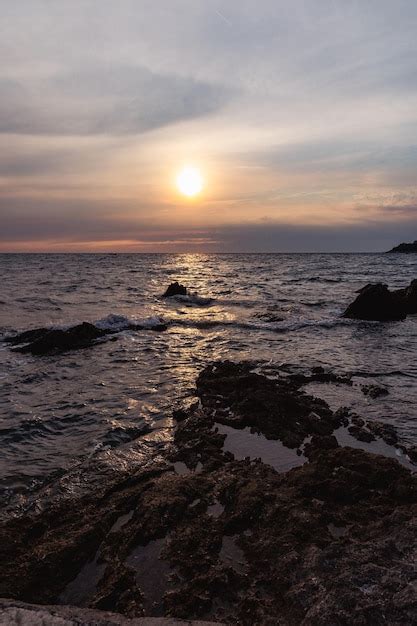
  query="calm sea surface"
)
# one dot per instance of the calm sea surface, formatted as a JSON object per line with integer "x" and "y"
{"x": 281, "y": 309}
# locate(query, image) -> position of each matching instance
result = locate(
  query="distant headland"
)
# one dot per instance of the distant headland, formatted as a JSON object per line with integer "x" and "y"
{"x": 405, "y": 247}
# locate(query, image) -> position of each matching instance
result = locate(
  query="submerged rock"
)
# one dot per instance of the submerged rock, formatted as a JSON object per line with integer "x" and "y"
{"x": 175, "y": 289}
{"x": 295, "y": 548}
{"x": 376, "y": 302}
{"x": 405, "y": 247}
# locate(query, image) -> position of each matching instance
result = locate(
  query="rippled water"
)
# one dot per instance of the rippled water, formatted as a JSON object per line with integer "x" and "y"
{"x": 283, "y": 309}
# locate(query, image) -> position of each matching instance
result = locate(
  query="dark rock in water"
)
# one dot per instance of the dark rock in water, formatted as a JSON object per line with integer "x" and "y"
{"x": 318, "y": 444}
{"x": 57, "y": 340}
{"x": 412, "y": 453}
{"x": 175, "y": 289}
{"x": 405, "y": 247}
{"x": 319, "y": 375}
{"x": 156, "y": 328}
{"x": 376, "y": 302}
{"x": 285, "y": 564}
{"x": 374, "y": 391}
{"x": 409, "y": 297}
{"x": 386, "y": 432}
{"x": 361, "y": 434}
{"x": 27, "y": 336}
{"x": 42, "y": 341}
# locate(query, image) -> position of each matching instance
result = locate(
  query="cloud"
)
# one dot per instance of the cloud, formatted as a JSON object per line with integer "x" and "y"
{"x": 75, "y": 224}
{"x": 112, "y": 101}
{"x": 376, "y": 236}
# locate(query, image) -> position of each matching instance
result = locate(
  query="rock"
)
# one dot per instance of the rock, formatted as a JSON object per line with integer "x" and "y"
{"x": 238, "y": 397}
{"x": 272, "y": 557}
{"x": 57, "y": 340}
{"x": 14, "y": 613}
{"x": 374, "y": 391}
{"x": 42, "y": 341}
{"x": 412, "y": 453}
{"x": 319, "y": 375}
{"x": 386, "y": 432}
{"x": 318, "y": 444}
{"x": 376, "y": 302}
{"x": 361, "y": 434}
{"x": 411, "y": 297}
{"x": 27, "y": 336}
{"x": 405, "y": 247}
{"x": 175, "y": 289}
{"x": 156, "y": 328}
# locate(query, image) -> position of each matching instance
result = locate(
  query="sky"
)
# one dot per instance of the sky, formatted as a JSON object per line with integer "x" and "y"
{"x": 301, "y": 116}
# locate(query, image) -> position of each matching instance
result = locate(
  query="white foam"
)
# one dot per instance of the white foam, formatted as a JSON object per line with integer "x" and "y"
{"x": 121, "y": 322}
{"x": 193, "y": 298}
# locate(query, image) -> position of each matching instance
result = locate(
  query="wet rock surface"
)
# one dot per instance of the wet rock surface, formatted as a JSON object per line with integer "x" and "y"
{"x": 409, "y": 297}
{"x": 236, "y": 396}
{"x": 41, "y": 341}
{"x": 44, "y": 341}
{"x": 377, "y": 303}
{"x": 374, "y": 391}
{"x": 13, "y": 613}
{"x": 332, "y": 541}
{"x": 175, "y": 289}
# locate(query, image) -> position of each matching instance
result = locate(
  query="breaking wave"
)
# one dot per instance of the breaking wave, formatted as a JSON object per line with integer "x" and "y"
{"x": 117, "y": 323}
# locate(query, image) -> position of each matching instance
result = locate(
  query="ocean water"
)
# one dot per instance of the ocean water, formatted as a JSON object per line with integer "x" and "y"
{"x": 282, "y": 310}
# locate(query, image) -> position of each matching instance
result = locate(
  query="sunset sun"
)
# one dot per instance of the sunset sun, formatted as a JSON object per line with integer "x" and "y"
{"x": 189, "y": 181}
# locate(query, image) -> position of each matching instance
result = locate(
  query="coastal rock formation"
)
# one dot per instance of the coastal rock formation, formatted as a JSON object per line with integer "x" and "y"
{"x": 405, "y": 247}
{"x": 376, "y": 302}
{"x": 240, "y": 398}
{"x": 41, "y": 341}
{"x": 13, "y": 613}
{"x": 175, "y": 289}
{"x": 204, "y": 535}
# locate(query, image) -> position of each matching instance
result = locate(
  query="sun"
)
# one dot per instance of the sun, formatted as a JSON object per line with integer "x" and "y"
{"x": 190, "y": 181}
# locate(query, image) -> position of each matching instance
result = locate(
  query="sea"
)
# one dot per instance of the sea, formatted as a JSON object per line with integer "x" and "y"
{"x": 281, "y": 311}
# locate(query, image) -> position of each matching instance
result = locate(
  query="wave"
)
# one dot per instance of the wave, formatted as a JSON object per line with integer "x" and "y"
{"x": 192, "y": 299}
{"x": 387, "y": 374}
{"x": 117, "y": 323}
{"x": 114, "y": 323}
{"x": 280, "y": 327}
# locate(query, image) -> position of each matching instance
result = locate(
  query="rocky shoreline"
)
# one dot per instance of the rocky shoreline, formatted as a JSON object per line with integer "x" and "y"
{"x": 216, "y": 528}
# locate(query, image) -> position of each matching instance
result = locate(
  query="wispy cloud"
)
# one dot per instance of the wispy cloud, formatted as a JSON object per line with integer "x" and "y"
{"x": 109, "y": 101}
